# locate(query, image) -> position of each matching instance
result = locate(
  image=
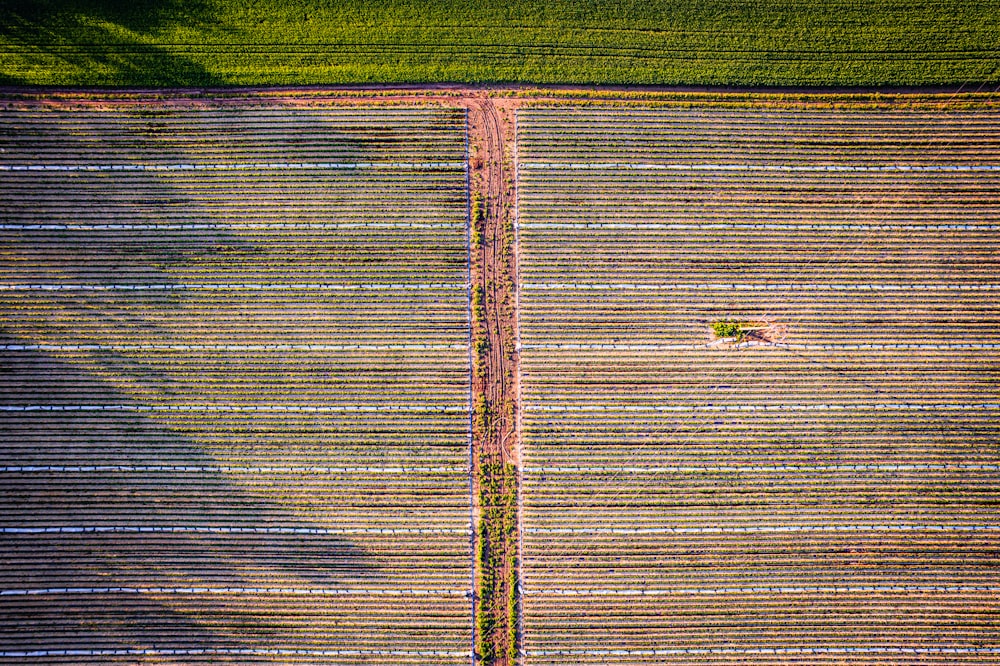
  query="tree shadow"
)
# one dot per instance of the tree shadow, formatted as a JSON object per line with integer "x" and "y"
{"x": 101, "y": 42}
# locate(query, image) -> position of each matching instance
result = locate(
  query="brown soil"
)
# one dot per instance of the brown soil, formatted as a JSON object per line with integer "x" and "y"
{"x": 493, "y": 268}
{"x": 502, "y": 98}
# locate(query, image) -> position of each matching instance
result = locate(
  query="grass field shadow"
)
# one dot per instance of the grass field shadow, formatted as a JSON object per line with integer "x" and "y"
{"x": 108, "y": 42}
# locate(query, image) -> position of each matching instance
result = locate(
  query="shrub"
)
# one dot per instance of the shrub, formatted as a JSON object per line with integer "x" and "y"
{"x": 478, "y": 217}
{"x": 478, "y": 209}
{"x": 481, "y": 346}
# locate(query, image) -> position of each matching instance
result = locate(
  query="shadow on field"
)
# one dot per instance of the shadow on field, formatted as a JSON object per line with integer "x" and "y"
{"x": 101, "y": 42}
{"x": 124, "y": 469}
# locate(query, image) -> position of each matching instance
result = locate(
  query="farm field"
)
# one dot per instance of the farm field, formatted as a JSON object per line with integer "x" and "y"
{"x": 235, "y": 394}
{"x": 658, "y": 42}
{"x": 823, "y": 492}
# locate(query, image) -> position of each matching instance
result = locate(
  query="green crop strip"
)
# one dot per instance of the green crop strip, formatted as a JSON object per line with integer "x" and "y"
{"x": 720, "y": 42}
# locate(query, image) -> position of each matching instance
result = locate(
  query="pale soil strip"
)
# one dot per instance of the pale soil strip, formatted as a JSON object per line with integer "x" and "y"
{"x": 252, "y": 652}
{"x": 666, "y": 652}
{"x": 710, "y": 591}
{"x": 244, "y": 286}
{"x": 451, "y": 409}
{"x": 690, "y": 469}
{"x": 519, "y": 395}
{"x": 473, "y": 495}
{"x": 318, "y": 226}
{"x": 210, "y": 529}
{"x": 820, "y": 407}
{"x": 765, "y": 529}
{"x": 230, "y": 348}
{"x": 902, "y": 346}
{"x": 228, "y": 469}
{"x": 836, "y": 168}
{"x": 744, "y": 286}
{"x": 717, "y": 226}
{"x": 299, "y": 591}
{"x": 238, "y": 166}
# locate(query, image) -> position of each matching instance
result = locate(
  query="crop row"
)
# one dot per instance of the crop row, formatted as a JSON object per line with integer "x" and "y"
{"x": 104, "y": 435}
{"x": 799, "y": 137}
{"x": 193, "y": 136}
{"x": 678, "y": 313}
{"x": 278, "y": 624}
{"x": 237, "y": 206}
{"x": 578, "y": 202}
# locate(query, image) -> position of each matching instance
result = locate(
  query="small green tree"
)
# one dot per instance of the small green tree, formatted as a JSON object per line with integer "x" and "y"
{"x": 730, "y": 329}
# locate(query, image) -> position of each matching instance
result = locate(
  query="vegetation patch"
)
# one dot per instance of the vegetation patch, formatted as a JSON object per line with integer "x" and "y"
{"x": 496, "y": 611}
{"x": 732, "y": 330}
{"x": 478, "y": 218}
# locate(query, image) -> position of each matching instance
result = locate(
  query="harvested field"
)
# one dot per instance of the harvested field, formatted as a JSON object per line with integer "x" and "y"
{"x": 235, "y": 398}
{"x": 825, "y": 497}
{"x": 654, "y": 42}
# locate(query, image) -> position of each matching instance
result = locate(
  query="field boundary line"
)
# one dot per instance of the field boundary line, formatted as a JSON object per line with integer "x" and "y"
{"x": 228, "y": 347}
{"x": 747, "y": 469}
{"x": 225, "y": 469}
{"x": 779, "y": 589}
{"x": 667, "y": 652}
{"x": 198, "y": 226}
{"x": 471, "y": 398}
{"x": 756, "y": 286}
{"x": 242, "y": 286}
{"x": 252, "y": 652}
{"x": 819, "y": 407}
{"x": 772, "y": 226}
{"x": 337, "y": 409}
{"x": 846, "y": 346}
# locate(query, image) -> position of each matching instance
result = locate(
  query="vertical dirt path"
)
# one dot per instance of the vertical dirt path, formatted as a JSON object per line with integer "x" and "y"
{"x": 494, "y": 278}
{"x": 495, "y": 436}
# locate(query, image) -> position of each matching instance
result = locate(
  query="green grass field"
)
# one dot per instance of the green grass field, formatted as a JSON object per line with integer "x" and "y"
{"x": 695, "y": 42}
